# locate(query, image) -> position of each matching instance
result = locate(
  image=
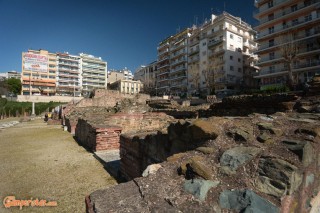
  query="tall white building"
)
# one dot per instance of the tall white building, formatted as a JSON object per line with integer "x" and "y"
{"x": 282, "y": 22}
{"x": 94, "y": 73}
{"x": 68, "y": 76}
{"x": 221, "y": 57}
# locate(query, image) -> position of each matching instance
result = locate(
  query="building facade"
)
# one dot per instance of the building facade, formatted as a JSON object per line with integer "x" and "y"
{"x": 147, "y": 75}
{"x": 221, "y": 58}
{"x": 127, "y": 86}
{"x": 287, "y": 24}
{"x": 38, "y": 76}
{"x": 68, "y": 78}
{"x": 172, "y": 64}
{"x": 116, "y": 75}
{"x": 94, "y": 73}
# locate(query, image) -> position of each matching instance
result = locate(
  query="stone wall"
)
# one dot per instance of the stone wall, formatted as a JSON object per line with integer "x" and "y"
{"x": 109, "y": 98}
{"x": 246, "y": 164}
{"x": 138, "y": 150}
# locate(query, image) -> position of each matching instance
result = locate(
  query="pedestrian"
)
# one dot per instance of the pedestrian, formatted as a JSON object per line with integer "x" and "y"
{"x": 46, "y": 117}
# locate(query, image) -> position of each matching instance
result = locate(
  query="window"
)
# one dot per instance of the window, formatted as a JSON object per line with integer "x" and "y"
{"x": 271, "y": 42}
{"x": 270, "y": 17}
{"x": 295, "y": 22}
{"x": 231, "y": 57}
{"x": 271, "y": 55}
{"x": 204, "y": 43}
{"x": 307, "y": 3}
{"x": 231, "y": 36}
{"x": 231, "y": 68}
{"x": 308, "y": 32}
{"x": 284, "y": 25}
{"x": 204, "y": 53}
{"x": 231, "y": 47}
{"x": 270, "y": 4}
{"x": 239, "y": 70}
{"x": 271, "y": 29}
{"x": 271, "y": 69}
{"x": 294, "y": 8}
{"x": 239, "y": 59}
{"x": 308, "y": 18}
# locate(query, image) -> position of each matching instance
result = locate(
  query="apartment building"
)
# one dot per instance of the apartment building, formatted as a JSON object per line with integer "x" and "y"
{"x": 283, "y": 24}
{"x": 68, "y": 78}
{"x": 11, "y": 74}
{"x": 94, "y": 73}
{"x": 127, "y": 86}
{"x": 172, "y": 64}
{"x": 221, "y": 57}
{"x": 147, "y": 75}
{"x": 38, "y": 74}
{"x": 115, "y": 75}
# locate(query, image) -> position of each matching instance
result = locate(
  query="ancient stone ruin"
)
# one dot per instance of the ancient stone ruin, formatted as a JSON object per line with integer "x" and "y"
{"x": 247, "y": 153}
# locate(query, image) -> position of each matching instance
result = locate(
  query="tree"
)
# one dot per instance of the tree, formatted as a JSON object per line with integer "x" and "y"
{"x": 14, "y": 85}
{"x": 194, "y": 77}
{"x": 289, "y": 51}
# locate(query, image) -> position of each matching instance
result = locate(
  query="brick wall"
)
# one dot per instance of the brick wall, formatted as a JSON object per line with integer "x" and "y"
{"x": 98, "y": 133}
{"x": 97, "y": 137}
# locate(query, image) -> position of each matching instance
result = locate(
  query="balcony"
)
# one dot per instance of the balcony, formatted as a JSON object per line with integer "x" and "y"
{"x": 163, "y": 52}
{"x": 194, "y": 51}
{"x": 172, "y": 78}
{"x": 163, "y": 59}
{"x": 276, "y": 4}
{"x": 286, "y": 13}
{"x": 215, "y": 42}
{"x": 296, "y": 38}
{"x": 287, "y": 27}
{"x": 177, "y": 54}
{"x": 182, "y": 60}
{"x": 165, "y": 44}
{"x": 303, "y": 65}
{"x": 163, "y": 73}
{"x": 193, "y": 60}
{"x": 179, "y": 46}
{"x": 162, "y": 79}
{"x": 178, "y": 69}
{"x": 163, "y": 66}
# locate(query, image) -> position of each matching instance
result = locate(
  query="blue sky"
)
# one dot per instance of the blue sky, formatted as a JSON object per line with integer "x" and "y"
{"x": 125, "y": 33}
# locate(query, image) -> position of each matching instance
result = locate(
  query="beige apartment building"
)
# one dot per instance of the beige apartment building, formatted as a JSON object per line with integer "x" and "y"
{"x": 283, "y": 23}
{"x": 127, "y": 86}
{"x": 38, "y": 76}
{"x": 116, "y": 75}
{"x": 147, "y": 75}
{"x": 172, "y": 64}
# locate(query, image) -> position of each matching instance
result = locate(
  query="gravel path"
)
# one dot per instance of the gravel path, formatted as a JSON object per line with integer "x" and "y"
{"x": 40, "y": 161}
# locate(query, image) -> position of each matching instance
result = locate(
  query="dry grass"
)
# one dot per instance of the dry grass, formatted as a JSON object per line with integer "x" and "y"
{"x": 40, "y": 161}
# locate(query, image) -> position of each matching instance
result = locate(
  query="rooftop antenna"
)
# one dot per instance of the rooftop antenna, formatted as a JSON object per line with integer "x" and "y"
{"x": 224, "y": 6}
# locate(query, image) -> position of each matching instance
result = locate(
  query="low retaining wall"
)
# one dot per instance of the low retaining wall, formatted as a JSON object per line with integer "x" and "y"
{"x": 97, "y": 137}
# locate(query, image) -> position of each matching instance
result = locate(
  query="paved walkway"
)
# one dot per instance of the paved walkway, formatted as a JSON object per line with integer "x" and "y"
{"x": 44, "y": 162}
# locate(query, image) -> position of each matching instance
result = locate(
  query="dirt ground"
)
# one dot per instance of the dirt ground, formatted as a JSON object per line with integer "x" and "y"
{"x": 44, "y": 162}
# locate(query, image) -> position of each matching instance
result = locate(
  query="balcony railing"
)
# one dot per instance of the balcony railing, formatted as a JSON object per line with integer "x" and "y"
{"x": 287, "y": 12}
{"x": 276, "y": 3}
{"x": 295, "y": 39}
{"x": 288, "y": 27}
{"x": 178, "y": 69}
{"x": 179, "y": 61}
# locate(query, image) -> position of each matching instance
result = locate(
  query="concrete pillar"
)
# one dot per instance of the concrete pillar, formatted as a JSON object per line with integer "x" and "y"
{"x": 33, "y": 109}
